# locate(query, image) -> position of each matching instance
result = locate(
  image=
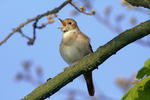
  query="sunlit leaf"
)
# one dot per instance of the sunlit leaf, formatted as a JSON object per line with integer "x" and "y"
{"x": 145, "y": 71}
{"x": 141, "y": 91}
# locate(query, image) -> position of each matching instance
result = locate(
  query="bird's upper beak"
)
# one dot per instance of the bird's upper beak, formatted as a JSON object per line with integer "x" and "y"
{"x": 63, "y": 23}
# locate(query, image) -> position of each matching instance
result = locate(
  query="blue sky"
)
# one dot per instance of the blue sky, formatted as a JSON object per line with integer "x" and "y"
{"x": 45, "y": 51}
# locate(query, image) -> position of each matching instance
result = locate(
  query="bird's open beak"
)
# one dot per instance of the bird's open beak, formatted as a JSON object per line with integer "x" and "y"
{"x": 63, "y": 23}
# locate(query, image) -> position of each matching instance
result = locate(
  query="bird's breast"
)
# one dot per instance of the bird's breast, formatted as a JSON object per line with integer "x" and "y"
{"x": 75, "y": 51}
{"x": 69, "y": 37}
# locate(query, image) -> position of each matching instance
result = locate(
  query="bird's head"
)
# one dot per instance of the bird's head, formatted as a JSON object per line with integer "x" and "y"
{"x": 68, "y": 25}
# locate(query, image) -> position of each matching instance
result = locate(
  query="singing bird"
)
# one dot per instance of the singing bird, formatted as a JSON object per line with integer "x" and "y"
{"x": 74, "y": 46}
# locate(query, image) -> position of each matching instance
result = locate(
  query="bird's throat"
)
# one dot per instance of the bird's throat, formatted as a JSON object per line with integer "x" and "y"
{"x": 69, "y": 36}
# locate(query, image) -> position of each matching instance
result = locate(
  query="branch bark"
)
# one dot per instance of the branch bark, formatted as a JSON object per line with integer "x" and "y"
{"x": 89, "y": 62}
{"x": 143, "y": 3}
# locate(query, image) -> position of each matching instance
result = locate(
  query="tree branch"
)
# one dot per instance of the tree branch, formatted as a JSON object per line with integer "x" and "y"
{"x": 55, "y": 10}
{"x": 89, "y": 62}
{"x": 143, "y": 3}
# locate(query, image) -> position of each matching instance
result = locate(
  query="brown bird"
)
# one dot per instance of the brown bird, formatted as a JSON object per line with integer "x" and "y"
{"x": 74, "y": 46}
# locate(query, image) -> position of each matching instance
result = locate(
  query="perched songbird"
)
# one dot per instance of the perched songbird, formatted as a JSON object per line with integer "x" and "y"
{"x": 74, "y": 46}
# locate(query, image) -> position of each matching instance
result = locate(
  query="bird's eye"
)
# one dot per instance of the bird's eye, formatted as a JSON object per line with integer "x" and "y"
{"x": 69, "y": 23}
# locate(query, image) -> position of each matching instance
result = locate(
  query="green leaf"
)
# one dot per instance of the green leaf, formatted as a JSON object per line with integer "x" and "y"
{"x": 141, "y": 91}
{"x": 145, "y": 71}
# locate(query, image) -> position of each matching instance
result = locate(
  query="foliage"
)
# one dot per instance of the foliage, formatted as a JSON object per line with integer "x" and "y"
{"x": 145, "y": 71}
{"x": 141, "y": 91}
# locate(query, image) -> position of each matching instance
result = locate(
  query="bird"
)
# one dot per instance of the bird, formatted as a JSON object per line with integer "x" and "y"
{"x": 74, "y": 46}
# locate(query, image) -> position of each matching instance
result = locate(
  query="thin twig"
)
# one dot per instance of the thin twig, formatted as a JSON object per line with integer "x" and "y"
{"x": 32, "y": 40}
{"x": 23, "y": 35}
{"x": 42, "y": 25}
{"x": 55, "y": 10}
{"x": 34, "y": 29}
{"x": 87, "y": 13}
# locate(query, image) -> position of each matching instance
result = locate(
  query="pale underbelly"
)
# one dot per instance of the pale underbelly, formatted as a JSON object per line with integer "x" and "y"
{"x": 73, "y": 54}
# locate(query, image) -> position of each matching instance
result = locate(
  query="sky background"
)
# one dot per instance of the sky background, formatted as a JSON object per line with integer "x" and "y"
{"x": 45, "y": 51}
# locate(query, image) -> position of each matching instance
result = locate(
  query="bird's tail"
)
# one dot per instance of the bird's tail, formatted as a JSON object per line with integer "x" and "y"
{"x": 89, "y": 83}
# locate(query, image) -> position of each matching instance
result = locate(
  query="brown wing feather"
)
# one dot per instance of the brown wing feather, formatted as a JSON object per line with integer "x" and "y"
{"x": 86, "y": 37}
{"x": 88, "y": 75}
{"x": 90, "y": 47}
